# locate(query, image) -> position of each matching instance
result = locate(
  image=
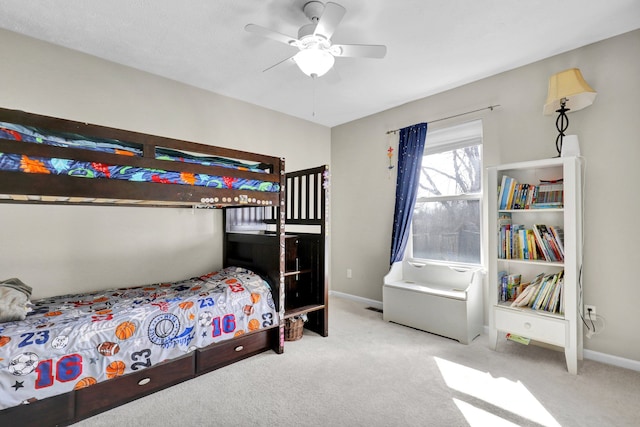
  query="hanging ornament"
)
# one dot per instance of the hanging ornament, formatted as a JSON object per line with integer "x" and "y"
{"x": 325, "y": 179}
{"x": 390, "y": 156}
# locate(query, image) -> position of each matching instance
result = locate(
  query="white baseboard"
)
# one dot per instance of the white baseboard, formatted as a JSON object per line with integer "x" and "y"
{"x": 609, "y": 359}
{"x": 370, "y": 302}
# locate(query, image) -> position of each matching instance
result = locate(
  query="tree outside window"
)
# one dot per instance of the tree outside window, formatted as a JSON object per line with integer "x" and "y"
{"x": 446, "y": 223}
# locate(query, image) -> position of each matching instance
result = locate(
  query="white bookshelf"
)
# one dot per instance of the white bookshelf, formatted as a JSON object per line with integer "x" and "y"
{"x": 558, "y": 329}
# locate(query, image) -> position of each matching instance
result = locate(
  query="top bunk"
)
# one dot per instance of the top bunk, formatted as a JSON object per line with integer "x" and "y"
{"x": 58, "y": 161}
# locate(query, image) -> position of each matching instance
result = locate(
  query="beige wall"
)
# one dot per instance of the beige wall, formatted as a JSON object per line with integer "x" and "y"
{"x": 58, "y": 249}
{"x": 363, "y": 192}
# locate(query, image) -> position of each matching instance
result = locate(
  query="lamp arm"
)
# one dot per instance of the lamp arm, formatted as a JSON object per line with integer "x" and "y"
{"x": 562, "y": 123}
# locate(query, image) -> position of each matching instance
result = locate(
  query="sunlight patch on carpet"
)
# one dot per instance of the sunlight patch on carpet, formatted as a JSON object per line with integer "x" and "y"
{"x": 479, "y": 417}
{"x": 508, "y": 395}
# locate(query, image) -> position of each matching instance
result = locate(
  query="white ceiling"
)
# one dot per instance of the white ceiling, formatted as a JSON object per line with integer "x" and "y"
{"x": 433, "y": 45}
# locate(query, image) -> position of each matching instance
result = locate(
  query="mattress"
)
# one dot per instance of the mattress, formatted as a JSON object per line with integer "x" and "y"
{"x": 74, "y": 341}
{"x": 85, "y": 169}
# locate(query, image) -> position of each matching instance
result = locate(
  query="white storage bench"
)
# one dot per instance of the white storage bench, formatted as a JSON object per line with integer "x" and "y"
{"x": 434, "y": 298}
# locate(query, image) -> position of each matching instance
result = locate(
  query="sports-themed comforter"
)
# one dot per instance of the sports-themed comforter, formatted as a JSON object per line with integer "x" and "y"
{"x": 74, "y": 341}
{"x": 85, "y": 169}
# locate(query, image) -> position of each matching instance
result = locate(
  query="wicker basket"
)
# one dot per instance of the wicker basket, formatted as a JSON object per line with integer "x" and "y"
{"x": 293, "y": 328}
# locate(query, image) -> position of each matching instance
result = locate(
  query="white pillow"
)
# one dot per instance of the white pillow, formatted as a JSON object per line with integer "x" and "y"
{"x": 13, "y": 304}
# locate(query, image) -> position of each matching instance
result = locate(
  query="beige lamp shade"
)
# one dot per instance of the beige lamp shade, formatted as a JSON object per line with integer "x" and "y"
{"x": 571, "y": 86}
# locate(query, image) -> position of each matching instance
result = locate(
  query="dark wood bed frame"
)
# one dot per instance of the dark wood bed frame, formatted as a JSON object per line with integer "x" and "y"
{"x": 17, "y": 187}
{"x": 56, "y": 188}
{"x": 247, "y": 244}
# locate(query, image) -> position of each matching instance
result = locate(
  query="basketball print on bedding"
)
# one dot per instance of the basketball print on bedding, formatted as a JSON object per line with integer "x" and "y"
{"x": 4, "y": 340}
{"x": 85, "y": 382}
{"x": 115, "y": 369}
{"x": 125, "y": 330}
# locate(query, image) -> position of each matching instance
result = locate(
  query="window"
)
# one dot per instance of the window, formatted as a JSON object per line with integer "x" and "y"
{"x": 447, "y": 215}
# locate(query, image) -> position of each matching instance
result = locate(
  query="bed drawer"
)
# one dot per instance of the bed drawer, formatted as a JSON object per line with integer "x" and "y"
{"x": 222, "y": 354}
{"x": 534, "y": 326}
{"x": 52, "y": 411}
{"x": 109, "y": 394}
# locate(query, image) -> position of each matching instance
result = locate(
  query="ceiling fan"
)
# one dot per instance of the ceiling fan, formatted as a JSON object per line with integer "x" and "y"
{"x": 317, "y": 53}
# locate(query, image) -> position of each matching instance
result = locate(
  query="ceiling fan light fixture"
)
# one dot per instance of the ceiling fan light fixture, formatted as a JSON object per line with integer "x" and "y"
{"x": 314, "y": 62}
{"x": 316, "y": 52}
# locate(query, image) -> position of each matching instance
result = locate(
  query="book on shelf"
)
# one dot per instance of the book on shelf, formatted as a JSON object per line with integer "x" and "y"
{"x": 549, "y": 243}
{"x": 513, "y": 283}
{"x": 549, "y": 286}
{"x": 531, "y": 241}
{"x": 510, "y": 286}
{"x": 528, "y": 292}
{"x": 543, "y": 293}
{"x": 502, "y": 192}
{"x": 550, "y": 195}
{"x": 505, "y": 195}
{"x": 541, "y": 245}
{"x": 525, "y": 296}
{"x": 521, "y": 196}
{"x": 540, "y": 242}
{"x": 504, "y": 224}
{"x": 554, "y": 303}
{"x": 532, "y": 196}
{"x": 558, "y": 234}
{"x": 542, "y": 289}
{"x": 515, "y": 195}
{"x": 502, "y": 285}
{"x": 543, "y": 299}
{"x": 557, "y": 205}
{"x": 561, "y": 302}
{"x": 550, "y": 303}
{"x": 504, "y": 218}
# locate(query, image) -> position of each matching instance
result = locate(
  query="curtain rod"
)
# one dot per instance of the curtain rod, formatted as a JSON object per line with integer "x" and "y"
{"x": 490, "y": 107}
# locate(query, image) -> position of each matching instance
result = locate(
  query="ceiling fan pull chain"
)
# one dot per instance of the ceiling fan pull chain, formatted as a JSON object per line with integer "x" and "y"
{"x": 313, "y": 113}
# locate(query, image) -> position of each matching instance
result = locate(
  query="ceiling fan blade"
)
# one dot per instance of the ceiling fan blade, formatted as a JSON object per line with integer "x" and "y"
{"x": 328, "y": 22}
{"x": 359, "y": 50}
{"x": 278, "y": 63}
{"x": 270, "y": 34}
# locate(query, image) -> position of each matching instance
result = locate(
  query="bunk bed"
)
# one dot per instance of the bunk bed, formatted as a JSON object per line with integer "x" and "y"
{"x": 48, "y": 160}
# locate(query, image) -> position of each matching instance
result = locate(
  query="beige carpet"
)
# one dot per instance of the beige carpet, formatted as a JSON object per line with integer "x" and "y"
{"x": 373, "y": 373}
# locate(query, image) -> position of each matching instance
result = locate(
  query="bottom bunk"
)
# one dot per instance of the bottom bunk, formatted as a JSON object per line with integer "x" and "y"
{"x": 74, "y": 356}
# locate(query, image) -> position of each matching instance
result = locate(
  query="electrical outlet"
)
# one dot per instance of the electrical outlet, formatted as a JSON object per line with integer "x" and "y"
{"x": 349, "y": 273}
{"x": 590, "y": 310}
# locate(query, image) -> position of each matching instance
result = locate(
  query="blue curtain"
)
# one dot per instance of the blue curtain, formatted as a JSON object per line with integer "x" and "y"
{"x": 410, "y": 152}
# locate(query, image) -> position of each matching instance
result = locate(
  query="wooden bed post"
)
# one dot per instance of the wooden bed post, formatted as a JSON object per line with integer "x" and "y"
{"x": 282, "y": 214}
{"x": 324, "y": 188}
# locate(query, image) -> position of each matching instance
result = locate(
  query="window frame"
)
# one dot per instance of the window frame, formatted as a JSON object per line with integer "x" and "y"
{"x": 451, "y": 138}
